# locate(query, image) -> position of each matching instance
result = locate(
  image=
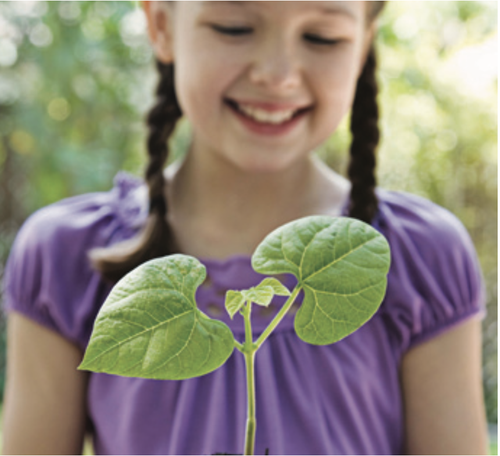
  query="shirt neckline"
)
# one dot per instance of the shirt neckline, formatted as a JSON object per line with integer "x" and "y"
{"x": 132, "y": 207}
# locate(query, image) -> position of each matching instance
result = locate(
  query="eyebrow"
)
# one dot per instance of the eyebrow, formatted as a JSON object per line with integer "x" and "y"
{"x": 215, "y": 3}
{"x": 325, "y": 9}
{"x": 334, "y": 10}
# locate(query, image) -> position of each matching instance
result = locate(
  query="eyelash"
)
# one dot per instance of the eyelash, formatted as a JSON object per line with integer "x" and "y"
{"x": 233, "y": 31}
{"x": 239, "y": 31}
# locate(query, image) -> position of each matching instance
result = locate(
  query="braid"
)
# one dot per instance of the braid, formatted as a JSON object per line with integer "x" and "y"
{"x": 365, "y": 137}
{"x": 156, "y": 238}
{"x": 161, "y": 121}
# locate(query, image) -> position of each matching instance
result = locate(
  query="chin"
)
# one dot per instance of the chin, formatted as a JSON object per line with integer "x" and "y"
{"x": 265, "y": 161}
{"x": 253, "y": 166}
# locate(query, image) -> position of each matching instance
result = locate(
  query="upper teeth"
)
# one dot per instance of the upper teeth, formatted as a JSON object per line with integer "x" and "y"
{"x": 266, "y": 116}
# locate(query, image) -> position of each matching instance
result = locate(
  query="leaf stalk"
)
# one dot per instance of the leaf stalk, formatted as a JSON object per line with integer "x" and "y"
{"x": 239, "y": 346}
{"x": 279, "y": 316}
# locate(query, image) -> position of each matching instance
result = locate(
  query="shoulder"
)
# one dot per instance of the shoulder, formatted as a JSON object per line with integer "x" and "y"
{"x": 425, "y": 234}
{"x": 435, "y": 279}
{"x": 84, "y": 220}
{"x": 48, "y": 276}
{"x": 419, "y": 218}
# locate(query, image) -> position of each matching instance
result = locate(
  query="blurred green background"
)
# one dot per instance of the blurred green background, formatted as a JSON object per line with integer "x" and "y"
{"x": 76, "y": 79}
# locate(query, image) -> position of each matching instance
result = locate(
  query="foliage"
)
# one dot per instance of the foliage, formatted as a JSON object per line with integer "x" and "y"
{"x": 340, "y": 264}
{"x": 150, "y": 326}
{"x": 77, "y": 77}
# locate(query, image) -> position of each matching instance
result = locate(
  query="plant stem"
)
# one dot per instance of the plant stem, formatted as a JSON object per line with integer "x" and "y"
{"x": 279, "y": 316}
{"x": 249, "y": 350}
{"x": 251, "y": 420}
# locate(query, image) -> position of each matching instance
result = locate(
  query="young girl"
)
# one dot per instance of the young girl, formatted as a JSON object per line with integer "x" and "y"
{"x": 262, "y": 84}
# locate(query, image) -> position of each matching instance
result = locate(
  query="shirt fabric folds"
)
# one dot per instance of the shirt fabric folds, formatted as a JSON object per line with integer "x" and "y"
{"x": 338, "y": 399}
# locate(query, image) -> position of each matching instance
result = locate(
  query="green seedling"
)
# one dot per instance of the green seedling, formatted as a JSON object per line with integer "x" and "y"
{"x": 150, "y": 326}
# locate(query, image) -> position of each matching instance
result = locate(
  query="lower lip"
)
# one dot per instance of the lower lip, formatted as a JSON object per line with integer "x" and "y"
{"x": 267, "y": 128}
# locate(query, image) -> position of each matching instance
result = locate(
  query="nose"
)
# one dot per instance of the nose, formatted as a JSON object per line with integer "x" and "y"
{"x": 276, "y": 66}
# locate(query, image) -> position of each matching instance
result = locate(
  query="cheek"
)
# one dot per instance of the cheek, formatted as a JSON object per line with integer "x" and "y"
{"x": 204, "y": 75}
{"x": 335, "y": 82}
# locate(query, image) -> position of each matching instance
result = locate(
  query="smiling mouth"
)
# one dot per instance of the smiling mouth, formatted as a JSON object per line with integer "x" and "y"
{"x": 265, "y": 117}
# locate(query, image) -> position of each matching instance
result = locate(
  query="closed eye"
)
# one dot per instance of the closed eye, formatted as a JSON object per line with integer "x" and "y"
{"x": 240, "y": 31}
{"x": 232, "y": 31}
{"x": 321, "y": 41}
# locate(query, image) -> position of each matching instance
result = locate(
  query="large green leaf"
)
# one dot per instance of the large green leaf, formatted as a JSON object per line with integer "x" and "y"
{"x": 341, "y": 264}
{"x": 150, "y": 326}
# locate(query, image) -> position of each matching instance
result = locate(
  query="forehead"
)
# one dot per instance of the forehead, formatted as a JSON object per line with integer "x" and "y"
{"x": 353, "y": 10}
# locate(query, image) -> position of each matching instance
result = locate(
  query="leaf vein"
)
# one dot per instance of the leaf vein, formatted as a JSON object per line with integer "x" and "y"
{"x": 145, "y": 357}
{"x": 318, "y": 306}
{"x": 178, "y": 352}
{"x": 342, "y": 294}
{"x": 337, "y": 259}
{"x": 209, "y": 351}
{"x": 284, "y": 255}
{"x": 130, "y": 368}
{"x": 121, "y": 320}
{"x": 152, "y": 328}
{"x": 308, "y": 245}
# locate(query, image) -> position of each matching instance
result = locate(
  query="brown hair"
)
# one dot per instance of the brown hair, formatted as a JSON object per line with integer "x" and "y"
{"x": 363, "y": 202}
{"x": 365, "y": 136}
{"x": 156, "y": 239}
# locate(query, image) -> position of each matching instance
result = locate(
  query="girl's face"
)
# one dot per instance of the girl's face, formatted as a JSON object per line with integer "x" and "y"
{"x": 262, "y": 83}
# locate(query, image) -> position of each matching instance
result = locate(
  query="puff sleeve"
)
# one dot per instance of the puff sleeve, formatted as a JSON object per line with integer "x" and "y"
{"x": 435, "y": 281}
{"x": 48, "y": 277}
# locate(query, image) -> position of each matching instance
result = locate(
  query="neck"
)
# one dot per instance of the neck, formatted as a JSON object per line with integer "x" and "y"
{"x": 232, "y": 210}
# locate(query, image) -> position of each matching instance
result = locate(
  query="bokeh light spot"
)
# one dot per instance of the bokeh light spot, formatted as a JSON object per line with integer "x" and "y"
{"x": 22, "y": 142}
{"x": 8, "y": 53}
{"x": 41, "y": 36}
{"x": 69, "y": 11}
{"x": 59, "y": 109}
{"x": 93, "y": 29}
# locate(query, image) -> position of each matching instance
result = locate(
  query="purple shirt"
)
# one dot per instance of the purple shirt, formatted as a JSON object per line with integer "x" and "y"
{"x": 338, "y": 399}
